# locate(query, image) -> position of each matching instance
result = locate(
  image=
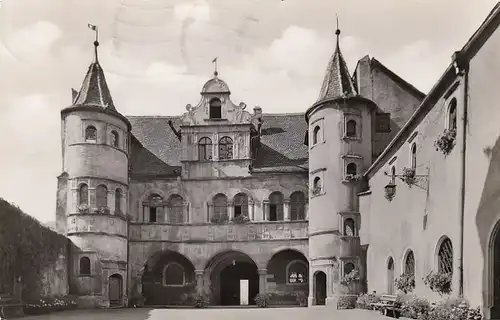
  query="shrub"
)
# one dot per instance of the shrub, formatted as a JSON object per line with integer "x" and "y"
{"x": 262, "y": 300}
{"x": 364, "y": 300}
{"x": 405, "y": 283}
{"x": 439, "y": 282}
{"x": 200, "y": 300}
{"x": 408, "y": 176}
{"x": 351, "y": 277}
{"x": 219, "y": 218}
{"x": 300, "y": 298}
{"x": 50, "y": 304}
{"x": 346, "y": 302}
{"x": 416, "y": 308}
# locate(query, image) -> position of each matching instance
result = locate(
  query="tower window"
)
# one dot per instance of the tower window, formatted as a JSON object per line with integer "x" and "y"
{"x": 101, "y": 194}
{"x": 452, "y": 115}
{"x": 352, "y": 169}
{"x": 240, "y": 205}
{"x": 205, "y": 149}
{"x": 155, "y": 202}
{"x": 91, "y": 134}
{"x": 215, "y": 109}
{"x": 225, "y": 148}
{"x": 114, "y": 138}
{"x": 350, "y": 130}
{"x": 316, "y": 186}
{"x": 316, "y": 135}
{"x": 276, "y": 201}
{"x": 383, "y": 122}
{"x": 85, "y": 266}
{"x": 349, "y": 227}
{"x": 83, "y": 195}
{"x": 118, "y": 201}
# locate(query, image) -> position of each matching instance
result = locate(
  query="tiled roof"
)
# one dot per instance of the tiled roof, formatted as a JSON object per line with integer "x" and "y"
{"x": 157, "y": 150}
{"x": 94, "y": 90}
{"x": 337, "y": 81}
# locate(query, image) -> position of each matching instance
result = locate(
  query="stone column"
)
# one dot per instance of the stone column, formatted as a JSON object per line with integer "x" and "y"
{"x": 262, "y": 280}
{"x": 306, "y": 210}
{"x": 111, "y": 201}
{"x": 160, "y": 214}
{"x": 145, "y": 212}
{"x": 210, "y": 210}
{"x": 286, "y": 210}
{"x": 166, "y": 211}
{"x": 199, "y": 281}
{"x": 92, "y": 198}
{"x": 251, "y": 210}
{"x": 230, "y": 210}
{"x": 185, "y": 214}
{"x": 266, "y": 210}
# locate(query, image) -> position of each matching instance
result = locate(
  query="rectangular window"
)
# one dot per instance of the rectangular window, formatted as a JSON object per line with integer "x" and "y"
{"x": 152, "y": 214}
{"x": 383, "y": 122}
{"x": 273, "y": 212}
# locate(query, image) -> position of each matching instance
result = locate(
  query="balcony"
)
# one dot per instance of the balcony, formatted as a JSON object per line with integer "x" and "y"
{"x": 349, "y": 246}
{"x": 251, "y": 231}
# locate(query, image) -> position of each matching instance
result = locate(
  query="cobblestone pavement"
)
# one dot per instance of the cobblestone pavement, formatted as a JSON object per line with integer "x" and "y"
{"x": 314, "y": 313}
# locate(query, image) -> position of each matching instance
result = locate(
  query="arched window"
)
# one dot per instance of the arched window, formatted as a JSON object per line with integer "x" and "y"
{"x": 215, "y": 109}
{"x": 297, "y": 206}
{"x": 176, "y": 209}
{"x": 155, "y": 205}
{"x": 83, "y": 194}
{"x": 316, "y": 135}
{"x": 101, "y": 194}
{"x": 225, "y": 148}
{"x": 352, "y": 169}
{"x": 413, "y": 156}
{"x": 276, "y": 206}
{"x": 390, "y": 276}
{"x": 85, "y": 266}
{"x": 410, "y": 263}
{"x": 348, "y": 268}
{"x": 452, "y": 115}
{"x": 350, "y": 130}
{"x": 220, "y": 204}
{"x": 174, "y": 275}
{"x": 91, "y": 134}
{"x": 205, "y": 149}
{"x": 296, "y": 272}
{"x": 114, "y": 139}
{"x": 316, "y": 186}
{"x": 240, "y": 202}
{"x": 118, "y": 200}
{"x": 349, "y": 227}
{"x": 445, "y": 257}
{"x": 393, "y": 175}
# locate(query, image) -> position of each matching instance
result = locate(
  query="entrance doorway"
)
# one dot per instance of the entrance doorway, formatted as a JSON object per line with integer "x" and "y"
{"x": 495, "y": 311}
{"x": 390, "y": 276}
{"x": 230, "y": 283}
{"x": 115, "y": 290}
{"x": 320, "y": 284}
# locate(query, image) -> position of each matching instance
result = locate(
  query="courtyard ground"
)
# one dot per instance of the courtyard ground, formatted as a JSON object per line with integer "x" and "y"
{"x": 316, "y": 313}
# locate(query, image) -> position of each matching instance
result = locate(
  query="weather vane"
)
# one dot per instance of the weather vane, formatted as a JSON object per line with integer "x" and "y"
{"x": 96, "y": 42}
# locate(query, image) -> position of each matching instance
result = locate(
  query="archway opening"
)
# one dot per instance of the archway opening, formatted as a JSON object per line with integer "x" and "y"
{"x": 495, "y": 311}
{"x": 227, "y": 270}
{"x": 168, "y": 279}
{"x": 289, "y": 271}
{"x": 320, "y": 288}
{"x": 115, "y": 292}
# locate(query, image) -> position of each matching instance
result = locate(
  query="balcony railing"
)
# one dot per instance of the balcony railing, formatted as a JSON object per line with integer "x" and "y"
{"x": 251, "y": 231}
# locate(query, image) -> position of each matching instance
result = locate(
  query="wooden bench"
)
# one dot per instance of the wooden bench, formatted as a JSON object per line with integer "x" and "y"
{"x": 387, "y": 306}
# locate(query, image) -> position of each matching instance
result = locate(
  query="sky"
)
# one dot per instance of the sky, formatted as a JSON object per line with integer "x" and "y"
{"x": 157, "y": 54}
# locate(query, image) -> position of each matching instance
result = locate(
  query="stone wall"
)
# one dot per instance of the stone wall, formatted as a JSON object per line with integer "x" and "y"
{"x": 33, "y": 258}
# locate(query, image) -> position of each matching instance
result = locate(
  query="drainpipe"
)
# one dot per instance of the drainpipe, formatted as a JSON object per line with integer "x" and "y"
{"x": 462, "y": 68}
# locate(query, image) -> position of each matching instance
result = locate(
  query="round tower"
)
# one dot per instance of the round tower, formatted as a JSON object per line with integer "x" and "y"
{"x": 339, "y": 140}
{"x": 95, "y": 151}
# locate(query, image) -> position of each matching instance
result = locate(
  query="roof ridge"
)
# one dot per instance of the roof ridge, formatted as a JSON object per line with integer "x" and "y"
{"x": 264, "y": 114}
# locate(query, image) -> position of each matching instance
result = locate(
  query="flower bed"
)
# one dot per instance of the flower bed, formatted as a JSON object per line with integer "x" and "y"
{"x": 48, "y": 305}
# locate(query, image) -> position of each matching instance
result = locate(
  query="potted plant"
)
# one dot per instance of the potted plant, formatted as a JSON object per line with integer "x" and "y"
{"x": 446, "y": 141}
{"x": 408, "y": 176}
{"x": 240, "y": 219}
{"x": 439, "y": 282}
{"x": 102, "y": 210}
{"x": 262, "y": 300}
{"x": 405, "y": 283}
{"x": 219, "y": 218}
{"x": 83, "y": 208}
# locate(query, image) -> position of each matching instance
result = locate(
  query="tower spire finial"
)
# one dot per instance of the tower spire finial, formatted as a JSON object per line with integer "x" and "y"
{"x": 214, "y": 61}
{"x": 337, "y": 32}
{"x": 96, "y": 42}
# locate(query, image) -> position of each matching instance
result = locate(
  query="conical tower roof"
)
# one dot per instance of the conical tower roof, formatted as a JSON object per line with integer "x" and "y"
{"x": 94, "y": 90}
{"x": 337, "y": 82}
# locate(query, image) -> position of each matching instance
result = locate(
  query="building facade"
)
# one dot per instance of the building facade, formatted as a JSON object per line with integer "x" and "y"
{"x": 167, "y": 206}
